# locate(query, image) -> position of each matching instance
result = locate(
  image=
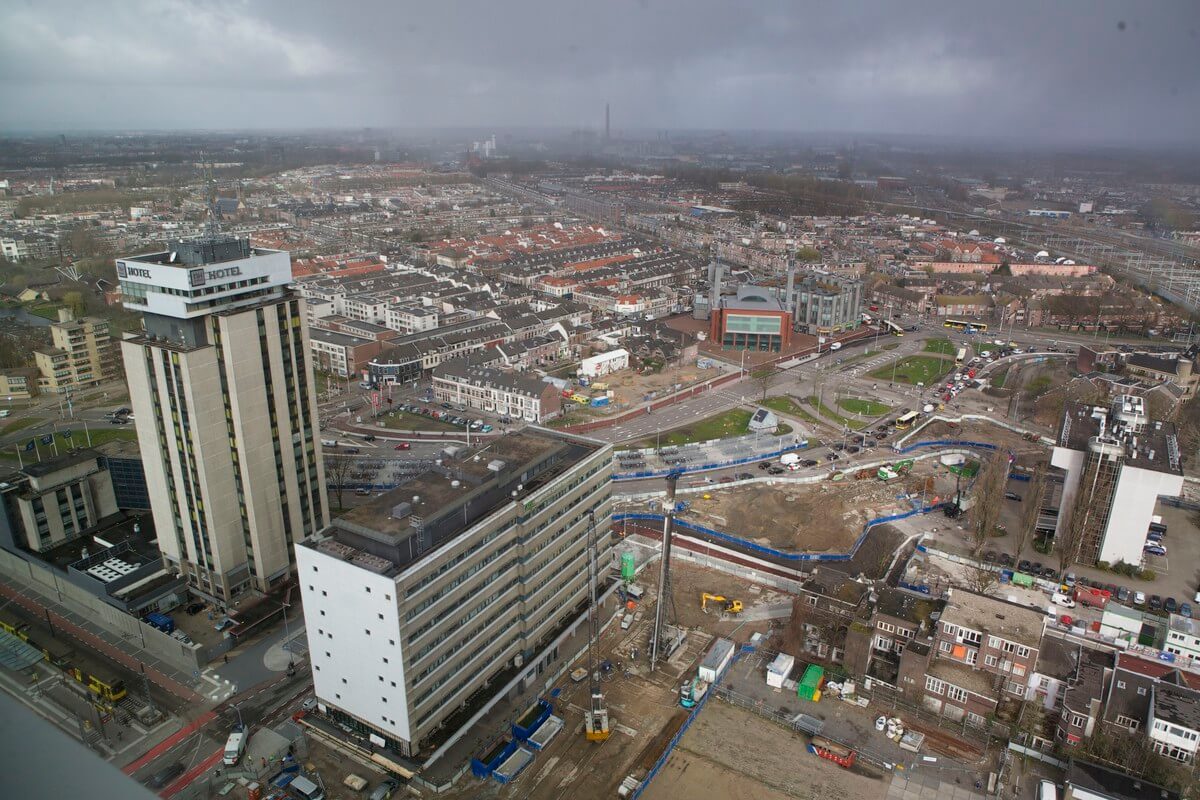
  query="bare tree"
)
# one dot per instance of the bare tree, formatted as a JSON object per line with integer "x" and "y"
{"x": 764, "y": 378}
{"x": 338, "y": 469}
{"x": 981, "y": 580}
{"x": 805, "y": 615}
{"x": 989, "y": 498}
{"x": 1032, "y": 510}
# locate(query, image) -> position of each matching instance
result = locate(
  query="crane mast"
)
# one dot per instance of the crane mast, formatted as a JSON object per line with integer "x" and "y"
{"x": 595, "y": 723}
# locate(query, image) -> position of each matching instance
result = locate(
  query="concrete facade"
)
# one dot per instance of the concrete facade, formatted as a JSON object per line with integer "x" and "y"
{"x": 227, "y": 429}
{"x": 417, "y": 602}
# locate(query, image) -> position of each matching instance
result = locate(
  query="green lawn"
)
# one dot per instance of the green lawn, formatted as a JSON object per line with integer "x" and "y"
{"x": 865, "y": 408}
{"x": 832, "y": 414}
{"x": 46, "y": 310}
{"x": 101, "y": 436}
{"x": 943, "y": 346}
{"x": 18, "y": 424}
{"x": 404, "y": 421}
{"x": 786, "y": 405}
{"x": 734, "y": 422}
{"x": 915, "y": 369}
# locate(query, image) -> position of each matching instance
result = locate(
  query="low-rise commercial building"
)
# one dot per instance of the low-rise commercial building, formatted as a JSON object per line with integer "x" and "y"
{"x": 51, "y": 502}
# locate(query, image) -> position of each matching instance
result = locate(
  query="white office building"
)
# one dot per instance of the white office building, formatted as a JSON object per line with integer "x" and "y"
{"x": 222, "y": 390}
{"x": 1123, "y": 462}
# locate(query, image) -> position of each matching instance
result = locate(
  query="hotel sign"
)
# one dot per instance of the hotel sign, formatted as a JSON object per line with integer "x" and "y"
{"x": 201, "y": 277}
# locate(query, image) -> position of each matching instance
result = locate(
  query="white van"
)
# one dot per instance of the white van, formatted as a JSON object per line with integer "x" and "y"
{"x": 634, "y": 591}
{"x": 835, "y": 346}
{"x": 1047, "y": 791}
{"x": 1064, "y": 600}
{"x": 235, "y": 747}
{"x": 787, "y": 459}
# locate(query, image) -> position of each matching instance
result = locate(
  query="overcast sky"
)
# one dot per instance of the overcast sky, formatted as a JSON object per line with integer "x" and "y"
{"x": 1051, "y": 70}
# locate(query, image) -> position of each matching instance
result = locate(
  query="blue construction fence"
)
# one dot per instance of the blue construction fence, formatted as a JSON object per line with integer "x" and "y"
{"x": 658, "y": 765}
{"x": 752, "y": 547}
{"x": 947, "y": 443}
{"x": 662, "y": 473}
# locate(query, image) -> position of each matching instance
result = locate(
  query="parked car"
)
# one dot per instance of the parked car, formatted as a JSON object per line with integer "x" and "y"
{"x": 1154, "y": 550}
{"x": 165, "y": 776}
{"x": 764, "y": 465}
{"x": 990, "y": 556}
{"x": 1123, "y": 594}
{"x": 1012, "y": 496}
{"x": 1005, "y": 560}
{"x": 370, "y": 437}
{"x": 745, "y": 476}
{"x": 1185, "y": 609}
{"x": 808, "y": 462}
{"x": 1024, "y": 566}
{"x": 1049, "y": 573}
{"x": 1170, "y": 605}
{"x": 194, "y": 608}
{"x": 404, "y": 446}
{"x": 776, "y": 471}
{"x": 1156, "y": 603}
{"x": 1139, "y": 598}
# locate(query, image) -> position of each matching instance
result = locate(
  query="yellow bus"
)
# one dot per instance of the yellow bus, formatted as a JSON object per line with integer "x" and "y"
{"x": 970, "y": 326}
{"x": 906, "y": 420}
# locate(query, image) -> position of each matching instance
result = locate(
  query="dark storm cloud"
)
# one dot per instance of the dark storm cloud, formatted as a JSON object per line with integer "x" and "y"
{"x": 1089, "y": 70}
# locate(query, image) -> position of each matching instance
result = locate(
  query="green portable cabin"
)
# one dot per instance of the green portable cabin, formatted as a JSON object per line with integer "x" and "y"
{"x": 1021, "y": 579}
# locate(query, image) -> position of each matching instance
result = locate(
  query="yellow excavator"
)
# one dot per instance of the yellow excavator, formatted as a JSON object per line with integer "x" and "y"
{"x": 730, "y": 606}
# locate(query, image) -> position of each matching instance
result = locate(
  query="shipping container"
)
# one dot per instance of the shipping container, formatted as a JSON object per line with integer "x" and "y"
{"x": 779, "y": 670}
{"x": 810, "y": 684}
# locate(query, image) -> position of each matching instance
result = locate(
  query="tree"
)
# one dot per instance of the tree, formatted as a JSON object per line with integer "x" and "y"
{"x": 1032, "y": 509}
{"x": 824, "y": 623}
{"x": 337, "y": 474}
{"x": 764, "y": 378}
{"x": 981, "y": 580}
{"x": 75, "y": 300}
{"x": 989, "y": 498}
{"x": 808, "y": 254}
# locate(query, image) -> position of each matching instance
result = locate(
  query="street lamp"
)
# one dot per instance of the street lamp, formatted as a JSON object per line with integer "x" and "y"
{"x": 287, "y": 638}
{"x": 238, "y": 708}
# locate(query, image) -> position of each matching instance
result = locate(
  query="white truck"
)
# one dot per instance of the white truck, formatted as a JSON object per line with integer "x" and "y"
{"x": 787, "y": 459}
{"x": 235, "y": 748}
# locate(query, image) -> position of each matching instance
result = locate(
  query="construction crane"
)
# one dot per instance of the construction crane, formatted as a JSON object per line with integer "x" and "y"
{"x": 595, "y": 719}
{"x": 731, "y": 606}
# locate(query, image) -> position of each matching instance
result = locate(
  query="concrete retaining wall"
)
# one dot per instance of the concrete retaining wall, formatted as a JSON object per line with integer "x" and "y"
{"x": 136, "y": 634}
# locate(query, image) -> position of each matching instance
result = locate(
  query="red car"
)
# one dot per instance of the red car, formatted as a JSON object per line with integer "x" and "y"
{"x": 946, "y": 397}
{"x": 403, "y": 446}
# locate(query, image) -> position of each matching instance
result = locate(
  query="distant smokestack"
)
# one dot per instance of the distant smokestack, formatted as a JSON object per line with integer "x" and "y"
{"x": 715, "y": 300}
{"x": 607, "y": 128}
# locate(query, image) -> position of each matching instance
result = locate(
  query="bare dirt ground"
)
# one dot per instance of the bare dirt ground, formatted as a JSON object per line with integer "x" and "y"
{"x": 631, "y": 388}
{"x": 688, "y": 582}
{"x": 730, "y": 753}
{"x": 824, "y": 517}
{"x": 978, "y": 432}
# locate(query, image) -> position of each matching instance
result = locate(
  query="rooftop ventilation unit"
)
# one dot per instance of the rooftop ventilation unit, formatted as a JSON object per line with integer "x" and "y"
{"x": 495, "y": 465}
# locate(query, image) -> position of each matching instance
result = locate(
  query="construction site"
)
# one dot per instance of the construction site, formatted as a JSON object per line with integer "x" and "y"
{"x": 823, "y": 517}
{"x": 645, "y": 713}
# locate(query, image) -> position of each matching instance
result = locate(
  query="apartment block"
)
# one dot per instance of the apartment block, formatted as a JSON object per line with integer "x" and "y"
{"x": 437, "y": 595}
{"x": 983, "y": 653}
{"x": 51, "y": 502}
{"x": 80, "y": 353}
{"x": 222, "y": 388}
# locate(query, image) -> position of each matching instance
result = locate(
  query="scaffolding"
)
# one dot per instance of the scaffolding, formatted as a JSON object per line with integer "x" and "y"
{"x": 1097, "y": 486}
